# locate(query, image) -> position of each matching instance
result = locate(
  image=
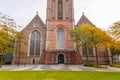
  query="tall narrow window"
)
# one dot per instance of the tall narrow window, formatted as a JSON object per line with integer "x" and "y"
{"x": 60, "y": 9}
{"x": 35, "y": 44}
{"x": 90, "y": 51}
{"x": 67, "y": 9}
{"x": 60, "y": 38}
{"x": 53, "y": 9}
{"x": 87, "y": 51}
{"x": 84, "y": 49}
{"x": 32, "y": 41}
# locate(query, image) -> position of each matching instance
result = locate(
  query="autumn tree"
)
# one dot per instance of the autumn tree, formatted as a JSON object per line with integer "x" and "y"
{"x": 76, "y": 37}
{"x": 8, "y": 35}
{"x": 114, "y": 32}
{"x": 90, "y": 37}
{"x": 7, "y": 38}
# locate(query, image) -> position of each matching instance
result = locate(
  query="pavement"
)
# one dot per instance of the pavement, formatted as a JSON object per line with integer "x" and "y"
{"x": 57, "y": 67}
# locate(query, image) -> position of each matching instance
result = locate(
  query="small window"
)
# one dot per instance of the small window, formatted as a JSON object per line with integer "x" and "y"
{"x": 36, "y": 25}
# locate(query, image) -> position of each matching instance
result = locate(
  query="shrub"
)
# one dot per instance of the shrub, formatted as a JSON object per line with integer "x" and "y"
{"x": 90, "y": 64}
{"x": 117, "y": 65}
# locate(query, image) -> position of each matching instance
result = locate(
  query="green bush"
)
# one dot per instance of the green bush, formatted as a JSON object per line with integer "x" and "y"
{"x": 90, "y": 64}
{"x": 117, "y": 65}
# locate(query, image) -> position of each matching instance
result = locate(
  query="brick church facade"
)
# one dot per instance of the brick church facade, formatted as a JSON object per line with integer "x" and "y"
{"x": 51, "y": 43}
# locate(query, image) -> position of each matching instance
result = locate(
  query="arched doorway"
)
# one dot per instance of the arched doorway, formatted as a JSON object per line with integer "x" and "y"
{"x": 33, "y": 61}
{"x": 61, "y": 59}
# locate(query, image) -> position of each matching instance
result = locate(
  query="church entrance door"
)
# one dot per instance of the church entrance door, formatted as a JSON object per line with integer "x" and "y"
{"x": 60, "y": 59}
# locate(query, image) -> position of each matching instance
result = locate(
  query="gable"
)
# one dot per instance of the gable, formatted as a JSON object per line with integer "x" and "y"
{"x": 84, "y": 20}
{"x": 35, "y": 20}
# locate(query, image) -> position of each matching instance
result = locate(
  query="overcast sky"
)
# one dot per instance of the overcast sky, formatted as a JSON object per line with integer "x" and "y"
{"x": 101, "y": 13}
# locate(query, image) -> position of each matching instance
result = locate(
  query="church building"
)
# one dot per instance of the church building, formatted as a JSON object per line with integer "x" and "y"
{"x": 51, "y": 43}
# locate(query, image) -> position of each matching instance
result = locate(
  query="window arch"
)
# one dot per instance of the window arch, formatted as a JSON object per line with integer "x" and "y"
{"x": 60, "y": 38}
{"x": 35, "y": 43}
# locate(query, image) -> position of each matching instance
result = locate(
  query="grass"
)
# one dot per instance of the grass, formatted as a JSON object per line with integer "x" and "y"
{"x": 58, "y": 75}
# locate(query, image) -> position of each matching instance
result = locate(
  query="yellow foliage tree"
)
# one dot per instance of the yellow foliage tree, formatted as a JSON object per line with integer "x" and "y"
{"x": 7, "y": 38}
{"x": 91, "y": 37}
{"x": 114, "y": 32}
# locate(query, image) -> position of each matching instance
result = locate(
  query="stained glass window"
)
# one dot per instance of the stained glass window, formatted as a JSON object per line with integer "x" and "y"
{"x": 32, "y": 40}
{"x": 35, "y": 44}
{"x": 60, "y": 38}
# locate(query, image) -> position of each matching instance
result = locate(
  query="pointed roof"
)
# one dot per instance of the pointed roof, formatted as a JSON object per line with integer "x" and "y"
{"x": 35, "y": 19}
{"x": 84, "y": 20}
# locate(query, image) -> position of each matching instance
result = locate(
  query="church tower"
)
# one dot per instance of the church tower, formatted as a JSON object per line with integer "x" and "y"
{"x": 59, "y": 21}
{"x": 60, "y": 17}
{"x": 60, "y": 10}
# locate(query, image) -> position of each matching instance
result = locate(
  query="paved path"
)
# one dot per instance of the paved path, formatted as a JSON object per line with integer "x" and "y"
{"x": 57, "y": 67}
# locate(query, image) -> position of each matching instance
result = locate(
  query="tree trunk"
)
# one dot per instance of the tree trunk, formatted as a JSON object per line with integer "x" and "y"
{"x": 112, "y": 50}
{"x": 1, "y": 61}
{"x": 87, "y": 54}
{"x": 107, "y": 56}
{"x": 112, "y": 58}
{"x": 97, "y": 62}
{"x": 80, "y": 55}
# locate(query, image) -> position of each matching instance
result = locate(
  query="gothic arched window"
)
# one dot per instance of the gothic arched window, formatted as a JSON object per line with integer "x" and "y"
{"x": 60, "y": 38}
{"x": 35, "y": 43}
{"x": 60, "y": 9}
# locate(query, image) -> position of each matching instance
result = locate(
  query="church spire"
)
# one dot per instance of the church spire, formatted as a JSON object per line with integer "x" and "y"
{"x": 82, "y": 13}
{"x": 37, "y": 13}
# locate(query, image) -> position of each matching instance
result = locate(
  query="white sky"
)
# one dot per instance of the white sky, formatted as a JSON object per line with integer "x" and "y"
{"x": 101, "y": 13}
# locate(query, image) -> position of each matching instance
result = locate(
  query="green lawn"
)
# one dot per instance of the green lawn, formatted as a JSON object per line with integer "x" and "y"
{"x": 58, "y": 75}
